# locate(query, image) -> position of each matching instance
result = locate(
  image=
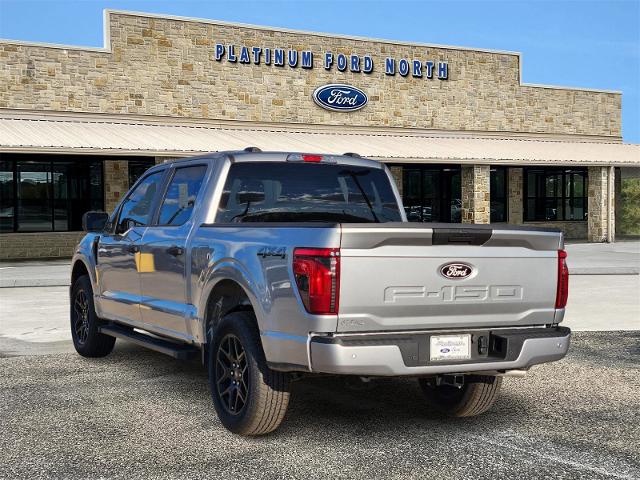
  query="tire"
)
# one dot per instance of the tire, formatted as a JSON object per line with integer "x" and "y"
{"x": 87, "y": 340}
{"x": 257, "y": 403}
{"x": 476, "y": 396}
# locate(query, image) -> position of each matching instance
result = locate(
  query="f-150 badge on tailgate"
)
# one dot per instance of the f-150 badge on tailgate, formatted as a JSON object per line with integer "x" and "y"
{"x": 456, "y": 271}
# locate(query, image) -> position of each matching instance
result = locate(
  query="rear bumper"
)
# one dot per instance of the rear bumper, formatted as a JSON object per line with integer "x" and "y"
{"x": 406, "y": 354}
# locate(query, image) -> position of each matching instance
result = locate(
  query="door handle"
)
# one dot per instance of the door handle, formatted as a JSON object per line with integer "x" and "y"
{"x": 175, "y": 250}
{"x": 133, "y": 249}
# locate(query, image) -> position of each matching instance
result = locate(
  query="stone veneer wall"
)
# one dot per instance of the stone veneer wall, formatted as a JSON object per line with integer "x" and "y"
{"x": 515, "y": 189}
{"x": 598, "y": 223}
{"x": 397, "y": 174}
{"x": 167, "y": 67}
{"x": 16, "y": 246}
{"x": 116, "y": 182}
{"x": 475, "y": 193}
{"x": 576, "y": 230}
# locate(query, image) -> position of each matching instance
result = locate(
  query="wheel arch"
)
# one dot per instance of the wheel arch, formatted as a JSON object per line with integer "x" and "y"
{"x": 79, "y": 269}
{"x": 226, "y": 295}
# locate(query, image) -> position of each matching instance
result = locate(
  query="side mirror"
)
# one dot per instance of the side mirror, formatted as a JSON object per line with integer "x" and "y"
{"x": 94, "y": 221}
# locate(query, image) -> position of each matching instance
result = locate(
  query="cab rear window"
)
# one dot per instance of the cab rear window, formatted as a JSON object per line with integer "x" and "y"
{"x": 286, "y": 192}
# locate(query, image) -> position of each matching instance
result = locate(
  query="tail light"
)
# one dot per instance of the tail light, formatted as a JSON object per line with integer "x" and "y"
{"x": 562, "y": 292}
{"x": 317, "y": 274}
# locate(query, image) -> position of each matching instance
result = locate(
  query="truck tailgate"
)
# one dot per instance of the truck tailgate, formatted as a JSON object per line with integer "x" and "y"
{"x": 404, "y": 276}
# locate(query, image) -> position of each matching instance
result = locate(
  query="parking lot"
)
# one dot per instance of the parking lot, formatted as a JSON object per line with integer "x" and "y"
{"x": 138, "y": 414}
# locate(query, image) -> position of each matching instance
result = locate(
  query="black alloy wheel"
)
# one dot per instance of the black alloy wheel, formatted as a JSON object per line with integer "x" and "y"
{"x": 232, "y": 374}
{"x": 85, "y": 324}
{"x": 81, "y": 316}
{"x": 249, "y": 397}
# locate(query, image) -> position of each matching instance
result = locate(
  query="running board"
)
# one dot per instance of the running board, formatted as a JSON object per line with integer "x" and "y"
{"x": 181, "y": 351}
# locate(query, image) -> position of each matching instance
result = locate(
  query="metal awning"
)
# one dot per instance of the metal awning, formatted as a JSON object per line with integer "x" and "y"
{"x": 91, "y": 135}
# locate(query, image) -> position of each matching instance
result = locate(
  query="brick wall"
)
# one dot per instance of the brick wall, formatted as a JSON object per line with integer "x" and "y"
{"x": 167, "y": 67}
{"x": 16, "y": 246}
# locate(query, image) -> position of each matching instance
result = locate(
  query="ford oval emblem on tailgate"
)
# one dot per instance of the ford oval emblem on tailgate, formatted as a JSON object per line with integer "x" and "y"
{"x": 340, "y": 98}
{"x": 456, "y": 271}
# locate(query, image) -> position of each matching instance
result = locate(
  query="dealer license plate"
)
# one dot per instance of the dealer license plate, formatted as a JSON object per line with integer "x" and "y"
{"x": 450, "y": 347}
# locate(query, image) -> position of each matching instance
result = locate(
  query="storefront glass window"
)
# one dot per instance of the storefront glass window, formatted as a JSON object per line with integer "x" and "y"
{"x": 44, "y": 193}
{"x": 34, "y": 197}
{"x": 432, "y": 193}
{"x": 137, "y": 168}
{"x": 7, "y": 197}
{"x": 498, "y": 189}
{"x": 555, "y": 194}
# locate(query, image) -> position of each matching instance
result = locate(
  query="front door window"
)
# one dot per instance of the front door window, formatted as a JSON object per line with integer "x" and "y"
{"x": 136, "y": 210}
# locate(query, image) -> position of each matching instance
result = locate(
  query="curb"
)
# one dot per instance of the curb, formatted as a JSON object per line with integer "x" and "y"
{"x": 604, "y": 271}
{"x": 40, "y": 282}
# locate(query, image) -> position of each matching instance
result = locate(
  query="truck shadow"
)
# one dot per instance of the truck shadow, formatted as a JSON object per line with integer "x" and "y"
{"x": 320, "y": 403}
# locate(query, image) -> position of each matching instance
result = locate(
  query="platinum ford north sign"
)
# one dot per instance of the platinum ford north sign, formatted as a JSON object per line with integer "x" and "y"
{"x": 340, "y": 98}
{"x": 305, "y": 59}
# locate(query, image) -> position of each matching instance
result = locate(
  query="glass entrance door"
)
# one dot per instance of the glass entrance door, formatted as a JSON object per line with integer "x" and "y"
{"x": 431, "y": 193}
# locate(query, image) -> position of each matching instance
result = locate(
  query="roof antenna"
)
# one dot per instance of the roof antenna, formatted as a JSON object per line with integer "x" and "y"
{"x": 351, "y": 154}
{"x": 252, "y": 150}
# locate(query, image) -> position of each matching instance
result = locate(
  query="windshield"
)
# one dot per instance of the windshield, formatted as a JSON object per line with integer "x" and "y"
{"x": 307, "y": 192}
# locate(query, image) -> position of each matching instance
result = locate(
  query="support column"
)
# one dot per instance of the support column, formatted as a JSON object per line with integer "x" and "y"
{"x": 396, "y": 173}
{"x": 617, "y": 204}
{"x": 475, "y": 194}
{"x": 116, "y": 182}
{"x": 515, "y": 203}
{"x": 601, "y": 201}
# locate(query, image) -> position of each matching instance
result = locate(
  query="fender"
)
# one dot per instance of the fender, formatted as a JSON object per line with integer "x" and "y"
{"x": 230, "y": 269}
{"x": 84, "y": 254}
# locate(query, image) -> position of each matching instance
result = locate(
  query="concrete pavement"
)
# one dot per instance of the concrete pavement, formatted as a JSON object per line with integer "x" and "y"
{"x": 37, "y": 273}
{"x": 34, "y": 318}
{"x": 621, "y": 258}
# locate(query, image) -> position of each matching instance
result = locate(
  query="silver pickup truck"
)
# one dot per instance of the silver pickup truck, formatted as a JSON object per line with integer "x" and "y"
{"x": 272, "y": 266}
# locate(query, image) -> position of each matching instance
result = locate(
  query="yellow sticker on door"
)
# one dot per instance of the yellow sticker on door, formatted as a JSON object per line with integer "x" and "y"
{"x": 145, "y": 263}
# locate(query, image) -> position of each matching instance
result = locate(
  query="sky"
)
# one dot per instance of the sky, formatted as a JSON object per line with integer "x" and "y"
{"x": 577, "y": 43}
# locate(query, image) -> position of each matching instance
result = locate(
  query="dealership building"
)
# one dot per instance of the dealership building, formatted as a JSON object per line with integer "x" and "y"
{"x": 465, "y": 138}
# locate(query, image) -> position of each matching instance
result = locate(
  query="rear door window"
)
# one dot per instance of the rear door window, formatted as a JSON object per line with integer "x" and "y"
{"x": 298, "y": 192}
{"x": 180, "y": 198}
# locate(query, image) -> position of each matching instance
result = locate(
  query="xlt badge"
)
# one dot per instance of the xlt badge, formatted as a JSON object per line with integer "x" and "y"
{"x": 456, "y": 271}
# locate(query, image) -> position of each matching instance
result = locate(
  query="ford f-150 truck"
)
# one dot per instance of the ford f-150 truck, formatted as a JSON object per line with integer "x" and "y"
{"x": 272, "y": 266}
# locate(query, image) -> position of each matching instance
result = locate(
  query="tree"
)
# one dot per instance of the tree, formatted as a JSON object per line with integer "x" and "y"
{"x": 630, "y": 203}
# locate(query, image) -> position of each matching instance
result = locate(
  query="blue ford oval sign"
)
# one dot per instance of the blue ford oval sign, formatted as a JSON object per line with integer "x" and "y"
{"x": 340, "y": 98}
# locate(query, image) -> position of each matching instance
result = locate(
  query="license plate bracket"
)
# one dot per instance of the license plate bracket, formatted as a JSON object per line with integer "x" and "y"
{"x": 443, "y": 348}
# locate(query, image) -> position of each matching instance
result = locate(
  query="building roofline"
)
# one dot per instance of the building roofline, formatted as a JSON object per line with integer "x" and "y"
{"x": 106, "y": 48}
{"x": 293, "y": 127}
